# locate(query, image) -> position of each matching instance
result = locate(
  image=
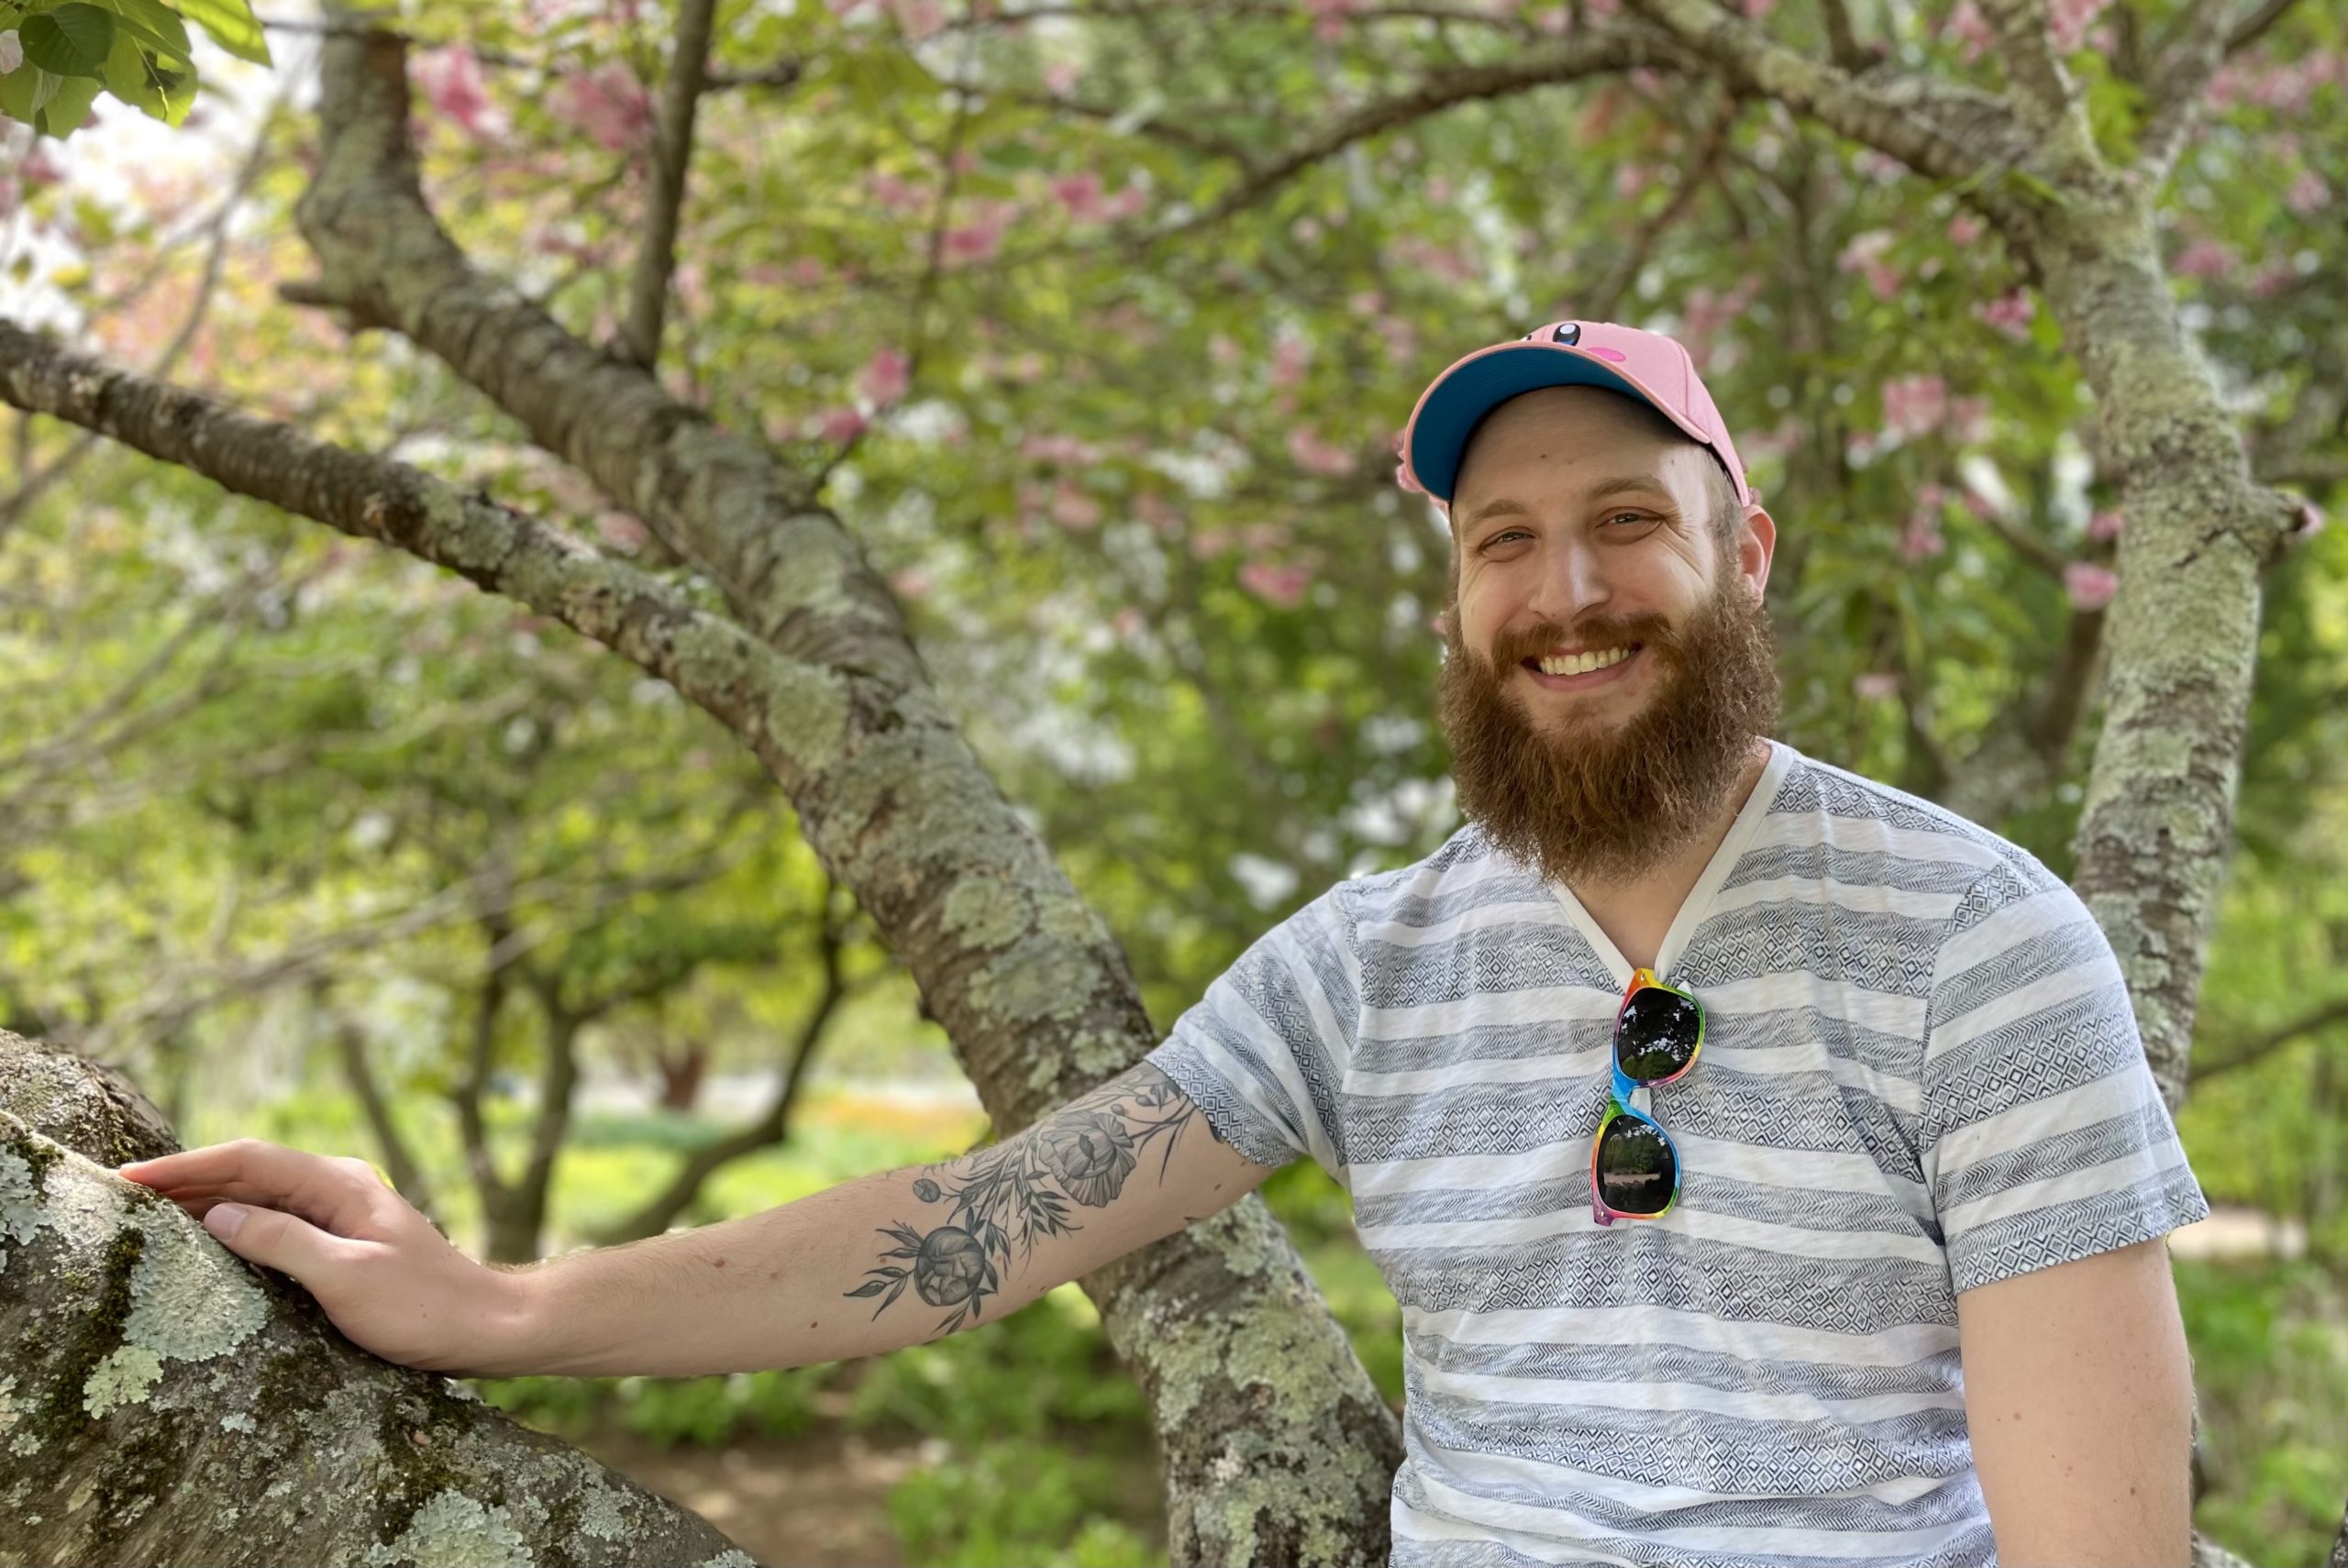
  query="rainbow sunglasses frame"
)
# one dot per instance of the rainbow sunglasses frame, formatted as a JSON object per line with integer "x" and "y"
{"x": 1618, "y": 1098}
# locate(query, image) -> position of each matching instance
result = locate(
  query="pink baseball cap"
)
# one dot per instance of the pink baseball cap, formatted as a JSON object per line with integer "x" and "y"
{"x": 1645, "y": 365}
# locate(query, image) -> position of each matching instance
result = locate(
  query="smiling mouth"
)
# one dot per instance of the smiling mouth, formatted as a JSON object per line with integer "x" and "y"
{"x": 1580, "y": 670}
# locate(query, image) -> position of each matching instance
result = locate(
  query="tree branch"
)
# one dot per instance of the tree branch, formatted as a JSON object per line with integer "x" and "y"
{"x": 2044, "y": 92}
{"x": 1896, "y": 113}
{"x": 672, "y": 151}
{"x": 1597, "y": 52}
{"x": 2184, "y": 64}
{"x": 2250, "y": 1052}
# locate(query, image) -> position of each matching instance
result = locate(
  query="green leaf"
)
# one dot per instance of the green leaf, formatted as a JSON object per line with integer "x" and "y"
{"x": 24, "y": 91}
{"x": 72, "y": 41}
{"x": 69, "y": 106}
{"x": 154, "y": 24}
{"x": 231, "y": 25}
{"x": 162, "y": 90}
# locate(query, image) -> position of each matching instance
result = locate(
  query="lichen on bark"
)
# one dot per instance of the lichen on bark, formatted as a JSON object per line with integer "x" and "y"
{"x": 165, "y": 1402}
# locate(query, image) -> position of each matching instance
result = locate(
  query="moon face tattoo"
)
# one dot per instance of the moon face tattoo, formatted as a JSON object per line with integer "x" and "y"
{"x": 1080, "y": 1156}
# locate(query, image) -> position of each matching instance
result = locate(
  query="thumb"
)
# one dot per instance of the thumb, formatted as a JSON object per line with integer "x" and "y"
{"x": 265, "y": 1236}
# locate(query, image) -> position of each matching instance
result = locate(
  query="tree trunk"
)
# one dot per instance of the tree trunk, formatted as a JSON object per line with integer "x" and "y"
{"x": 682, "y": 1073}
{"x": 163, "y": 1401}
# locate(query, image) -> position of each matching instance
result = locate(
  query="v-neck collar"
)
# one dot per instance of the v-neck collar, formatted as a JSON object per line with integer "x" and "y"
{"x": 1698, "y": 902}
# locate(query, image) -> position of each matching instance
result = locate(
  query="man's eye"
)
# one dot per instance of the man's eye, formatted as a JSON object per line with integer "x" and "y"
{"x": 1505, "y": 536}
{"x": 1636, "y": 518}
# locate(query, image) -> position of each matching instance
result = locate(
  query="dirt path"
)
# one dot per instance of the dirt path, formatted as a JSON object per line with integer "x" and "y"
{"x": 819, "y": 1501}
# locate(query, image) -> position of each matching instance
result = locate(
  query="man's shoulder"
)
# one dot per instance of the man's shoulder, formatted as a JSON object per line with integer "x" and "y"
{"x": 1465, "y": 871}
{"x": 1819, "y": 803}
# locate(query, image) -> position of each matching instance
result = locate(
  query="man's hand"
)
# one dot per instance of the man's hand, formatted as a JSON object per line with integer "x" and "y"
{"x": 388, "y": 1280}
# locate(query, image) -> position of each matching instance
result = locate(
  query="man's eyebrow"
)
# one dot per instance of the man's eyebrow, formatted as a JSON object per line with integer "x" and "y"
{"x": 1505, "y": 507}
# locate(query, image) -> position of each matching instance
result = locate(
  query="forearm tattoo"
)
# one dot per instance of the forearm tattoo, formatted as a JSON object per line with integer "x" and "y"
{"x": 1083, "y": 1152}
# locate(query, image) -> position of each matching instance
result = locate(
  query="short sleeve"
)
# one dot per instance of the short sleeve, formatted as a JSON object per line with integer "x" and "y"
{"x": 2046, "y": 1137}
{"x": 1263, "y": 1053}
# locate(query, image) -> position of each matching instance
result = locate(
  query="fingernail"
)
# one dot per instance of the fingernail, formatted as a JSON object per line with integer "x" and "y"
{"x": 224, "y": 1220}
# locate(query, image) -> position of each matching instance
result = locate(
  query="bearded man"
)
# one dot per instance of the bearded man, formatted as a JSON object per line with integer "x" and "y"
{"x": 1765, "y": 1160}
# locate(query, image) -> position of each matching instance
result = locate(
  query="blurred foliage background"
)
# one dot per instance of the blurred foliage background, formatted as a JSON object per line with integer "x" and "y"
{"x": 324, "y": 846}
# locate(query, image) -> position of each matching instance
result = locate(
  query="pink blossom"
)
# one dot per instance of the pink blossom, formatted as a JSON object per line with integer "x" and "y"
{"x": 608, "y": 103}
{"x": 885, "y": 377}
{"x": 1963, "y": 229}
{"x": 1126, "y": 203}
{"x": 1289, "y": 358}
{"x": 1282, "y": 586}
{"x": 1630, "y": 179}
{"x": 1863, "y": 255}
{"x": 1876, "y": 686}
{"x": 1330, "y": 16}
{"x": 1923, "y": 540}
{"x": 1440, "y": 623}
{"x": 842, "y": 425}
{"x": 1973, "y": 34}
{"x": 2271, "y": 279}
{"x": 1081, "y": 195}
{"x": 1128, "y": 622}
{"x": 621, "y": 531}
{"x": 979, "y": 239}
{"x": 2105, "y": 526}
{"x": 1063, "y": 449}
{"x": 1756, "y": 9}
{"x": 1366, "y": 302}
{"x": 896, "y": 195}
{"x": 912, "y": 582}
{"x": 2308, "y": 194}
{"x": 2068, "y": 21}
{"x": 1061, "y": 76}
{"x": 1881, "y": 168}
{"x": 807, "y": 272}
{"x": 1152, "y": 508}
{"x": 452, "y": 84}
{"x": 1315, "y": 455}
{"x": 38, "y": 168}
{"x": 2205, "y": 259}
{"x": 1554, "y": 20}
{"x": 2310, "y": 522}
{"x": 2009, "y": 314}
{"x": 1914, "y": 405}
{"x": 1968, "y": 421}
{"x": 1072, "y": 508}
{"x": 2090, "y": 587}
{"x": 919, "y": 18}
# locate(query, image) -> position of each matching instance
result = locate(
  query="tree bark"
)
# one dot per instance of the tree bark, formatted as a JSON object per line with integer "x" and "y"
{"x": 163, "y": 1401}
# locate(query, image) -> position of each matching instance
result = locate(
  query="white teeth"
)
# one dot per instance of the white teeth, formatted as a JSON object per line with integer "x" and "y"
{"x": 1583, "y": 662}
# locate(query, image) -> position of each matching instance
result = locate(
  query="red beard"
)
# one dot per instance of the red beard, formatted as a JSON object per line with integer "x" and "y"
{"x": 1607, "y": 803}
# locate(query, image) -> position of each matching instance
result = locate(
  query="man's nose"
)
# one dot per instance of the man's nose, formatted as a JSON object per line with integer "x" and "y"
{"x": 1572, "y": 582}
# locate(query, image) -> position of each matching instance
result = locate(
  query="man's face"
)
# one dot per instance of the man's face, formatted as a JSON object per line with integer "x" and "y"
{"x": 1580, "y": 529}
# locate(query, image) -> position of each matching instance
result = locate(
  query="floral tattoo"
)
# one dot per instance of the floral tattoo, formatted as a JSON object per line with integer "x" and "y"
{"x": 1086, "y": 1150}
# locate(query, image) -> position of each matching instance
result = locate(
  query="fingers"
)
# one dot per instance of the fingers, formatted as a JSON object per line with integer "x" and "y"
{"x": 282, "y": 1242}
{"x": 335, "y": 1195}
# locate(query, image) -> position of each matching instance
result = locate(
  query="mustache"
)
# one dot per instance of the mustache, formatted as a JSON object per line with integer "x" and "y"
{"x": 1515, "y": 644}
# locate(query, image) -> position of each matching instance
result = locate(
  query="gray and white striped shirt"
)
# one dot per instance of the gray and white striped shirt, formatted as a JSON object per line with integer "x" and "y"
{"x": 1920, "y": 1075}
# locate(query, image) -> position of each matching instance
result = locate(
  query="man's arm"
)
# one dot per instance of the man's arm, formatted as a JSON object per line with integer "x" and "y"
{"x": 2078, "y": 1388}
{"x": 867, "y": 1266}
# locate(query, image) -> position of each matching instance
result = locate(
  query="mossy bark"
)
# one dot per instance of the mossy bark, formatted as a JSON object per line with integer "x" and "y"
{"x": 162, "y": 1401}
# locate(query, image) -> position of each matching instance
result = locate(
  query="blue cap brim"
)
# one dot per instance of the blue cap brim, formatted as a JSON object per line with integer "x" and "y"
{"x": 1458, "y": 404}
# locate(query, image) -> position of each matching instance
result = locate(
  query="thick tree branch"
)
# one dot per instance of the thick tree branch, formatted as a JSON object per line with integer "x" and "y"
{"x": 2044, "y": 94}
{"x": 1034, "y": 993}
{"x": 1894, "y": 112}
{"x": 672, "y": 152}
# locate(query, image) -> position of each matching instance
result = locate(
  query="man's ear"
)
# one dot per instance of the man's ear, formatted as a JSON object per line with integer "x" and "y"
{"x": 1757, "y": 547}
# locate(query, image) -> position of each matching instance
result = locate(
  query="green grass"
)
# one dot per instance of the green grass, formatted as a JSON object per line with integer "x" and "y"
{"x": 2270, "y": 1369}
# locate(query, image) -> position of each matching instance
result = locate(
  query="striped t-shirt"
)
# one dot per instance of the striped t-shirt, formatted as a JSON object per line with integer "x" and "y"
{"x": 1920, "y": 1075}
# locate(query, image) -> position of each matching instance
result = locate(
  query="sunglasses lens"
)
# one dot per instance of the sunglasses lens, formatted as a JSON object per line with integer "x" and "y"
{"x": 1636, "y": 1173}
{"x": 1657, "y": 1034}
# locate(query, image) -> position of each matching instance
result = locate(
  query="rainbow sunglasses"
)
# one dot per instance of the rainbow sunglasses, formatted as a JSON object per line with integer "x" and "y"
{"x": 1633, "y": 1165}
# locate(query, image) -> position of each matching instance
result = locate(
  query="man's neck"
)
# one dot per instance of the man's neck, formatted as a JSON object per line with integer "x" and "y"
{"x": 1637, "y": 913}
